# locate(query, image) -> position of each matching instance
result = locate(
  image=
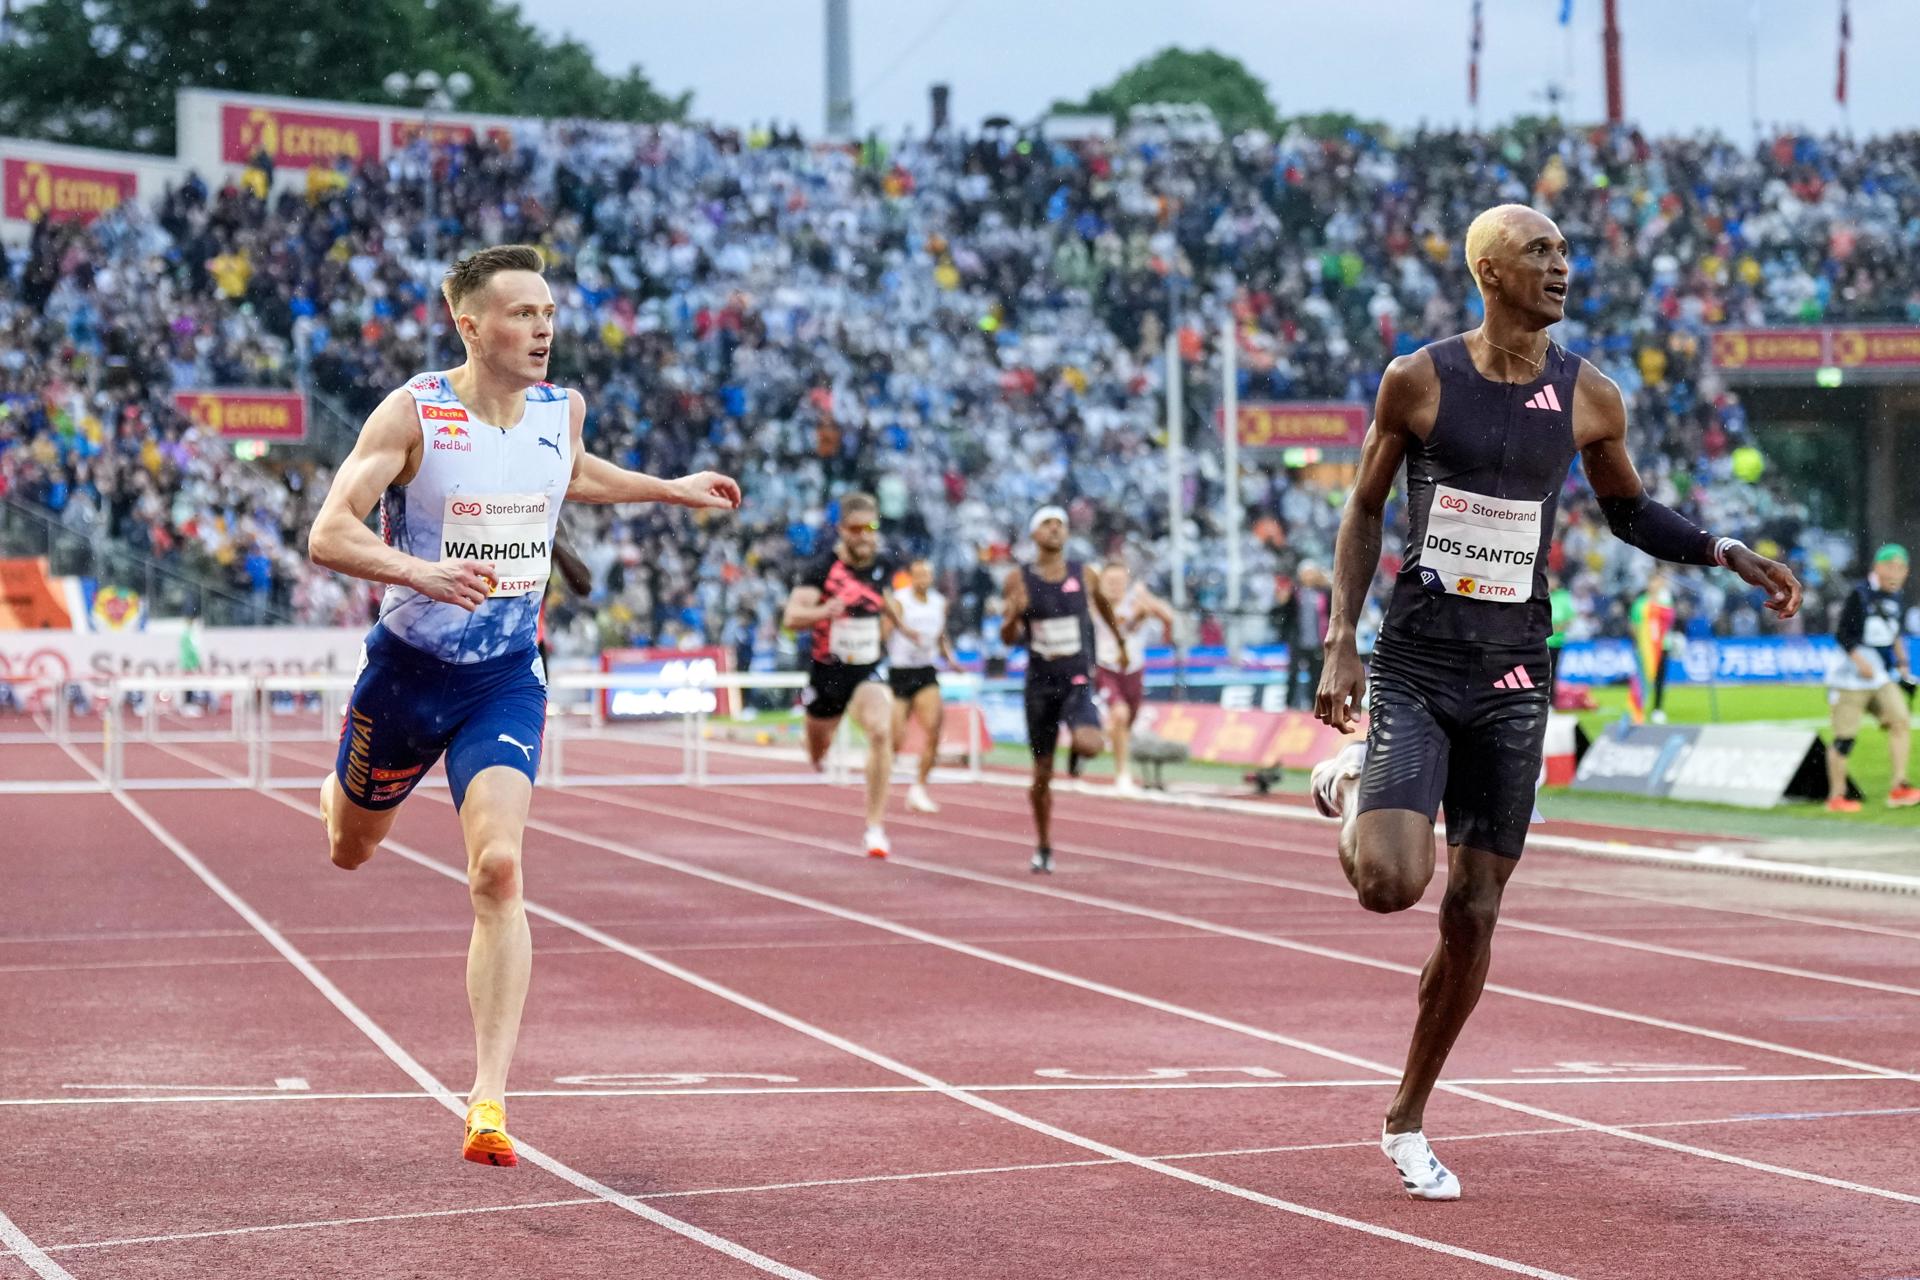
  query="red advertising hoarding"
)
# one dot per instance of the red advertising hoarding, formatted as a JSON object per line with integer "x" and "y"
{"x": 62, "y": 192}
{"x": 1216, "y": 735}
{"x": 246, "y": 415}
{"x": 1885, "y": 347}
{"x": 446, "y": 133}
{"x": 300, "y": 139}
{"x": 1285, "y": 424}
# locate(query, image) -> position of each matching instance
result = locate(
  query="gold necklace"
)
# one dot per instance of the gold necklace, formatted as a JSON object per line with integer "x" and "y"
{"x": 1537, "y": 364}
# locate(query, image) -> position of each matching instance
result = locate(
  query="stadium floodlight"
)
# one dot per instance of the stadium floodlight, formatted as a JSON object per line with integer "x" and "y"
{"x": 427, "y": 81}
{"x": 459, "y": 84}
{"x": 397, "y": 84}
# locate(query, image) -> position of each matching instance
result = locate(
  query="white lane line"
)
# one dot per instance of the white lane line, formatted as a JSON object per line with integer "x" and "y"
{"x": 1307, "y": 817}
{"x": 421, "y": 1076}
{"x": 30, "y": 1253}
{"x": 1273, "y": 1037}
{"x": 746, "y": 1091}
{"x": 1231, "y": 931}
{"x": 957, "y": 1094}
{"x": 980, "y": 1171}
{"x": 1705, "y": 859}
{"x": 1507, "y": 920}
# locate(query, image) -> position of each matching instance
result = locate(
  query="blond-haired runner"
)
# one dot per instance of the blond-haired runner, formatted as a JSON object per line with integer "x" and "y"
{"x": 1487, "y": 424}
{"x": 1120, "y": 658}
{"x": 469, "y": 468}
{"x": 912, "y": 652}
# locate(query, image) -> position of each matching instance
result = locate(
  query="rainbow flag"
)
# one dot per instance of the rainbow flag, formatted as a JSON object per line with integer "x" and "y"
{"x": 1652, "y": 618}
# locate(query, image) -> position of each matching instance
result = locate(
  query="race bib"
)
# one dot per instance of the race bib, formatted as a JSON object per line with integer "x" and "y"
{"x": 1479, "y": 546}
{"x": 507, "y": 530}
{"x": 1056, "y": 637}
{"x": 855, "y": 641}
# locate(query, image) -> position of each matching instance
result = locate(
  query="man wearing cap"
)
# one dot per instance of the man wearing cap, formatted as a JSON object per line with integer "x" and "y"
{"x": 1872, "y": 650}
{"x": 1047, "y": 601}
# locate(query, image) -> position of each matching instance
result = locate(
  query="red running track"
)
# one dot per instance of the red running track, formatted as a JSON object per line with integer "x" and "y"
{"x": 1169, "y": 1059}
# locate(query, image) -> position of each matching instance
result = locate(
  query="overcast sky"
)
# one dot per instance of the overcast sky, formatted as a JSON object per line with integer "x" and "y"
{"x": 1686, "y": 61}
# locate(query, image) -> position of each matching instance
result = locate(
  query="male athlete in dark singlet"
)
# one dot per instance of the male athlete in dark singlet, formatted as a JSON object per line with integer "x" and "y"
{"x": 1488, "y": 423}
{"x": 844, "y": 600}
{"x": 1047, "y": 601}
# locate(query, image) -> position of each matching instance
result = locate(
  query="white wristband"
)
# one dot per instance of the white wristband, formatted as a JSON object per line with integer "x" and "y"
{"x": 1721, "y": 546}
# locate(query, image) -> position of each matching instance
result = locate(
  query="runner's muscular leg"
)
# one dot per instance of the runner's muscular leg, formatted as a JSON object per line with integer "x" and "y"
{"x": 493, "y": 819}
{"x": 930, "y": 710}
{"x": 1454, "y": 975}
{"x": 820, "y": 738}
{"x": 873, "y": 712}
{"x": 353, "y": 832}
{"x": 1387, "y": 855}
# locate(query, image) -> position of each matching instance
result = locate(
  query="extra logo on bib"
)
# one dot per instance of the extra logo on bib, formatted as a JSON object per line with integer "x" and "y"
{"x": 1480, "y": 546}
{"x": 506, "y": 530}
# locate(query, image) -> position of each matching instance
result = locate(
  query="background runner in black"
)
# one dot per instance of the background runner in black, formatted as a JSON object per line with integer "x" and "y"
{"x": 1047, "y": 603}
{"x": 1488, "y": 424}
{"x": 842, "y": 602}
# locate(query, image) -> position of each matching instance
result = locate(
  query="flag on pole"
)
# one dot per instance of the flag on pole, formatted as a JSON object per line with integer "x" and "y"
{"x": 1846, "y": 35}
{"x": 1473, "y": 59}
{"x": 1652, "y": 618}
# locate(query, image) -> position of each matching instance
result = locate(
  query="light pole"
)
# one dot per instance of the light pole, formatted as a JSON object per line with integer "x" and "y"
{"x": 433, "y": 94}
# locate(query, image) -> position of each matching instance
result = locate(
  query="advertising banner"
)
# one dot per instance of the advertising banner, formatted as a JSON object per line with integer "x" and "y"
{"x": 1753, "y": 766}
{"x": 1264, "y": 739}
{"x": 36, "y": 189}
{"x": 1284, "y": 424}
{"x": 296, "y": 139}
{"x": 1807, "y": 350}
{"x": 161, "y": 650}
{"x": 688, "y": 668}
{"x": 245, "y": 414}
{"x": 31, "y": 599}
{"x": 1725, "y": 660}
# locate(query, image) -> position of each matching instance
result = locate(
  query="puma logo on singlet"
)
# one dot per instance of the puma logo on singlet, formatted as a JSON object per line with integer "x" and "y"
{"x": 1547, "y": 399}
{"x": 516, "y": 742}
{"x": 553, "y": 444}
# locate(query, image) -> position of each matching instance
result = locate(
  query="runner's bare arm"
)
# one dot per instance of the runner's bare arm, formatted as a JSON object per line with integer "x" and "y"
{"x": 599, "y": 481}
{"x": 1098, "y": 594}
{"x": 806, "y": 609}
{"x": 1013, "y": 596}
{"x": 386, "y": 451}
{"x": 1406, "y": 391}
{"x": 897, "y": 618}
{"x": 1600, "y": 429}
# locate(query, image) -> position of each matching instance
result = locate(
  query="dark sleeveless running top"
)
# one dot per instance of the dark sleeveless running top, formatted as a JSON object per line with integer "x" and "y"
{"x": 1059, "y": 623}
{"x": 1482, "y": 491}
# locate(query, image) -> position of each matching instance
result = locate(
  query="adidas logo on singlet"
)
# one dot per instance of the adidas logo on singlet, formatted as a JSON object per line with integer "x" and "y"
{"x": 1547, "y": 399}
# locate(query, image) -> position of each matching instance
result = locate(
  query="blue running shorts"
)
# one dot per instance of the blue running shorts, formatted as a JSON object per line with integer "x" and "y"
{"x": 409, "y": 708}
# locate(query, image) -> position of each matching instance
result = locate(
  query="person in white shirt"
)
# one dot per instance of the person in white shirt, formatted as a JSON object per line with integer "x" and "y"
{"x": 1122, "y": 684}
{"x": 912, "y": 653}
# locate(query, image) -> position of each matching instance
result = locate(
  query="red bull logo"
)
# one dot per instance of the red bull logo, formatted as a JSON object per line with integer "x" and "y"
{"x": 451, "y": 435}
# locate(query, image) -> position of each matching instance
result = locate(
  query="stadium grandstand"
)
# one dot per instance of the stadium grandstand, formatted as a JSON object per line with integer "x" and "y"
{"x": 967, "y": 326}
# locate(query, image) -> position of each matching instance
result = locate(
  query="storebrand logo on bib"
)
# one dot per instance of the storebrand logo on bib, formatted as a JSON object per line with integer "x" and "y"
{"x": 1450, "y": 503}
{"x": 465, "y": 508}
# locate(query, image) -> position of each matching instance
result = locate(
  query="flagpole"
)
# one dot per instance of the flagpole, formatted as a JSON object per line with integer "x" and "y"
{"x": 1753, "y": 68}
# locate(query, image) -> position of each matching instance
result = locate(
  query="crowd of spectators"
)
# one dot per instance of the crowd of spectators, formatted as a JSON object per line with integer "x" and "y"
{"x": 966, "y": 326}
